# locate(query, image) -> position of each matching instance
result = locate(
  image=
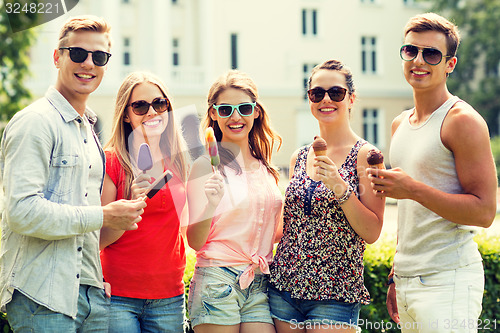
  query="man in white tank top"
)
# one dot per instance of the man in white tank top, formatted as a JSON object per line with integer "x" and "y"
{"x": 445, "y": 181}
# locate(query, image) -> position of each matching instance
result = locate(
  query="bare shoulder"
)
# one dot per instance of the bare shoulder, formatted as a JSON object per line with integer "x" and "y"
{"x": 201, "y": 167}
{"x": 294, "y": 157}
{"x": 463, "y": 121}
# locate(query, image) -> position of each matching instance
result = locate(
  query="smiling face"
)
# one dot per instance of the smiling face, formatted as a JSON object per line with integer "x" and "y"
{"x": 419, "y": 74}
{"x": 234, "y": 128}
{"x": 75, "y": 81}
{"x": 327, "y": 109}
{"x": 154, "y": 123}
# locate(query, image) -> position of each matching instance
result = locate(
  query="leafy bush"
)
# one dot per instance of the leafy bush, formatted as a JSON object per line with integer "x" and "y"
{"x": 378, "y": 261}
{"x": 4, "y": 325}
{"x": 495, "y": 148}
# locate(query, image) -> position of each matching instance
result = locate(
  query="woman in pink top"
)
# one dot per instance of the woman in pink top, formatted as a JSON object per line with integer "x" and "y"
{"x": 234, "y": 212}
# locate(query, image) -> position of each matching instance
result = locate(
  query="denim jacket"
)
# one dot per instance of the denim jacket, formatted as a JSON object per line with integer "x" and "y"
{"x": 45, "y": 170}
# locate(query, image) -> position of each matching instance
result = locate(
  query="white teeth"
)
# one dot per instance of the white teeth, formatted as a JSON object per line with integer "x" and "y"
{"x": 84, "y": 76}
{"x": 235, "y": 126}
{"x": 419, "y": 73}
{"x": 152, "y": 123}
{"x": 327, "y": 109}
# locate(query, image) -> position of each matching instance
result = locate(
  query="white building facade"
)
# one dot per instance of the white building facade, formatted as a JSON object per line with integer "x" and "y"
{"x": 189, "y": 43}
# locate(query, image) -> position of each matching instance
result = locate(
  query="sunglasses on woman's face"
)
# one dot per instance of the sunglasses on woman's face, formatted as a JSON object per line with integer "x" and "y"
{"x": 141, "y": 107}
{"x": 431, "y": 55}
{"x": 316, "y": 95}
{"x": 226, "y": 110}
{"x": 79, "y": 55}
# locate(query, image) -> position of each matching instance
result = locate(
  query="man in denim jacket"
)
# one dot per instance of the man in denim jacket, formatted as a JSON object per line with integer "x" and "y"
{"x": 52, "y": 167}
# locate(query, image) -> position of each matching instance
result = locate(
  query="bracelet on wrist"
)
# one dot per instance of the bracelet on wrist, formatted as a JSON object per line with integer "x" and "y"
{"x": 345, "y": 196}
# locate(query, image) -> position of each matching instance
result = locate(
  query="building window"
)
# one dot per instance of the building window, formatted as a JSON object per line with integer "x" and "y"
{"x": 371, "y": 121}
{"x": 309, "y": 22}
{"x": 126, "y": 51}
{"x": 234, "y": 51}
{"x": 306, "y": 72}
{"x": 368, "y": 1}
{"x": 409, "y": 2}
{"x": 174, "y": 2}
{"x": 125, "y": 1}
{"x": 175, "y": 53}
{"x": 369, "y": 55}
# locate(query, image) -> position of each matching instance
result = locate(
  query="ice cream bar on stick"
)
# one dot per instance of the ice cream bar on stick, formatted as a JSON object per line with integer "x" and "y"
{"x": 144, "y": 158}
{"x": 375, "y": 159}
{"x": 319, "y": 146}
{"x": 212, "y": 148}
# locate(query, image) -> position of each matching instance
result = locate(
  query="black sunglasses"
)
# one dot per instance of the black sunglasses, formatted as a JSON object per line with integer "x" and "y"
{"x": 431, "y": 55}
{"x": 316, "y": 95}
{"x": 159, "y": 104}
{"x": 79, "y": 55}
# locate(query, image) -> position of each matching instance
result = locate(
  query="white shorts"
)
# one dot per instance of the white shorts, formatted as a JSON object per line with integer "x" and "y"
{"x": 448, "y": 301}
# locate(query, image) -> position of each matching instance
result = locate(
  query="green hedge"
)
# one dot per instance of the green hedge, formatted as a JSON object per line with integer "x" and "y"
{"x": 378, "y": 261}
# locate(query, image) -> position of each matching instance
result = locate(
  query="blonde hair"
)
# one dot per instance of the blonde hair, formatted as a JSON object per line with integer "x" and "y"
{"x": 84, "y": 23}
{"x": 172, "y": 143}
{"x": 261, "y": 138}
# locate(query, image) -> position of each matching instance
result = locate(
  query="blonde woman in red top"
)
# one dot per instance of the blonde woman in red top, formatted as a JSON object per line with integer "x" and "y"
{"x": 145, "y": 266}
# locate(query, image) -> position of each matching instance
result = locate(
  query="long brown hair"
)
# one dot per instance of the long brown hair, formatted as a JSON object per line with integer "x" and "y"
{"x": 172, "y": 143}
{"x": 261, "y": 138}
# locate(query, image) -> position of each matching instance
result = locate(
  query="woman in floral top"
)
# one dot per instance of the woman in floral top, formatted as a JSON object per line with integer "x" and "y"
{"x": 330, "y": 214}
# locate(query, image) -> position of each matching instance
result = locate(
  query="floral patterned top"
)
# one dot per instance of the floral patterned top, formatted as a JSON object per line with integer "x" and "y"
{"x": 319, "y": 256}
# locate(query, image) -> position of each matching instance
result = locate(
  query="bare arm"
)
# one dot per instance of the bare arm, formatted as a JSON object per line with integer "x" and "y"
{"x": 121, "y": 215}
{"x": 108, "y": 235}
{"x": 366, "y": 214}
{"x": 465, "y": 133}
{"x": 279, "y": 231}
{"x": 205, "y": 190}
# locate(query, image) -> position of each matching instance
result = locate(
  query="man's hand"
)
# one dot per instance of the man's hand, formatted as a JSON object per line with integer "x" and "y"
{"x": 123, "y": 214}
{"x": 393, "y": 183}
{"x": 392, "y": 304}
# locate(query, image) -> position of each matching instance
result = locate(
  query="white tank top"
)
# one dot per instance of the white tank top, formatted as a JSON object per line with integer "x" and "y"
{"x": 427, "y": 243}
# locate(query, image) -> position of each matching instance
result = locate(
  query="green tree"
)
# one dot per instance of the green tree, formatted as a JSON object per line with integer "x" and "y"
{"x": 477, "y": 75}
{"x": 14, "y": 61}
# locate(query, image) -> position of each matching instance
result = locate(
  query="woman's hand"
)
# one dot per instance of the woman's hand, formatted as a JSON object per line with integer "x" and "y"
{"x": 328, "y": 173}
{"x": 140, "y": 185}
{"x": 214, "y": 189}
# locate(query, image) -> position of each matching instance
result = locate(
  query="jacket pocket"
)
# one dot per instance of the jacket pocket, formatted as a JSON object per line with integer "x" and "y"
{"x": 62, "y": 174}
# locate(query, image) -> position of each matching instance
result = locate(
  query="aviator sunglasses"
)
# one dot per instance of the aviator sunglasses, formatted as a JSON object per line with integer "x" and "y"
{"x": 79, "y": 55}
{"x": 226, "y": 110}
{"x": 159, "y": 104}
{"x": 431, "y": 55}
{"x": 316, "y": 95}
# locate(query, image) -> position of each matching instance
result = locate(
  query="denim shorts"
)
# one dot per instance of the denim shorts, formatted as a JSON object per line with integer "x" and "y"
{"x": 134, "y": 315}
{"x": 215, "y": 297}
{"x": 329, "y": 313}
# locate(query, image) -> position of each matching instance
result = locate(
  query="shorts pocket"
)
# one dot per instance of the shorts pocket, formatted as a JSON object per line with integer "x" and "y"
{"x": 218, "y": 291}
{"x": 438, "y": 279}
